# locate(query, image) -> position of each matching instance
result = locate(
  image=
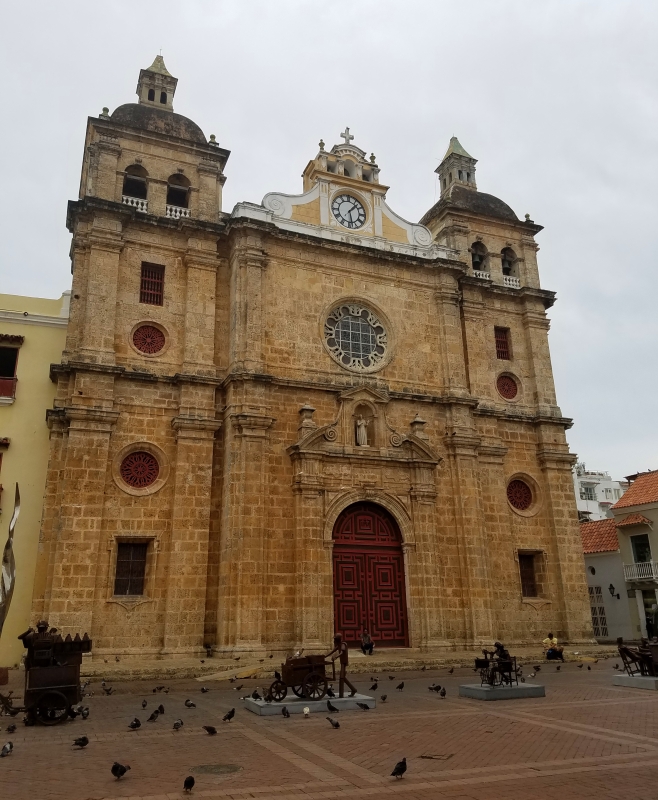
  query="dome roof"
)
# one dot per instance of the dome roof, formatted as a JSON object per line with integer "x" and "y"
{"x": 157, "y": 120}
{"x": 471, "y": 200}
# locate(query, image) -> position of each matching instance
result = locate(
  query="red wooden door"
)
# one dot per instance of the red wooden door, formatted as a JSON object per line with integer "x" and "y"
{"x": 369, "y": 587}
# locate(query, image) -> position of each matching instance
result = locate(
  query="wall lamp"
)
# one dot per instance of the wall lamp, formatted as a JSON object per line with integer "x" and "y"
{"x": 612, "y": 591}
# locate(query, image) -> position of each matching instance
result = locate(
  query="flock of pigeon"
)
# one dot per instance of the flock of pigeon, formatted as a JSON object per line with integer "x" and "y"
{"x": 119, "y": 770}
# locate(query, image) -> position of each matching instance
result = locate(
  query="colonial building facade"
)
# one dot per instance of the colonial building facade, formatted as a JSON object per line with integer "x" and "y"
{"x": 303, "y": 416}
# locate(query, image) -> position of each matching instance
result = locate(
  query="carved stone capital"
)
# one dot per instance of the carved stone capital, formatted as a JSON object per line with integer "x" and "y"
{"x": 195, "y": 427}
{"x": 91, "y": 419}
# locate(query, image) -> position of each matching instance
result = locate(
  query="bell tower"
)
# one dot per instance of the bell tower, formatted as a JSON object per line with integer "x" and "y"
{"x": 457, "y": 168}
{"x": 156, "y": 86}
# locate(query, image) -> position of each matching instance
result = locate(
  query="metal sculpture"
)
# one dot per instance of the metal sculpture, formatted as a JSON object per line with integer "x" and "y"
{"x": 8, "y": 570}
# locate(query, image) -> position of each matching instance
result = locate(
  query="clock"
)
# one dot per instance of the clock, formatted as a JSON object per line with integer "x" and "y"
{"x": 348, "y": 211}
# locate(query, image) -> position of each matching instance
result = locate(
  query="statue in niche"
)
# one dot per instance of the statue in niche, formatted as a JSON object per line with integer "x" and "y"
{"x": 362, "y": 431}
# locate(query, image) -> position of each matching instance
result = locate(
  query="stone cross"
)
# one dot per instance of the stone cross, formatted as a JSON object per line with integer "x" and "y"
{"x": 346, "y": 135}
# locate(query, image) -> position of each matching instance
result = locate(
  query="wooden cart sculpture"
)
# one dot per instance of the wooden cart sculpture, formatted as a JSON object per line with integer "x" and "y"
{"x": 306, "y": 676}
{"x": 52, "y": 676}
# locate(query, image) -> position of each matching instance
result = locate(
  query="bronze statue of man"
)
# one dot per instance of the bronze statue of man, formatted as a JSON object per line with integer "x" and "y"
{"x": 340, "y": 652}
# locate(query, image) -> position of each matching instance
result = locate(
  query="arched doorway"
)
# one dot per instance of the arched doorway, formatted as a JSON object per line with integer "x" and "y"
{"x": 369, "y": 586}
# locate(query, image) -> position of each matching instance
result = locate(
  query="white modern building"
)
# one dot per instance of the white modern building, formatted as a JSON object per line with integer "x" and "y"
{"x": 596, "y": 493}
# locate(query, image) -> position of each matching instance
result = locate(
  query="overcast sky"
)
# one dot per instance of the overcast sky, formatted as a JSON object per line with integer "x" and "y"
{"x": 556, "y": 99}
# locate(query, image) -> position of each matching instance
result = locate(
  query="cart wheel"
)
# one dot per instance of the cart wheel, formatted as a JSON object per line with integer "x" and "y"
{"x": 298, "y": 691}
{"x": 315, "y": 686}
{"x": 52, "y": 708}
{"x": 278, "y": 690}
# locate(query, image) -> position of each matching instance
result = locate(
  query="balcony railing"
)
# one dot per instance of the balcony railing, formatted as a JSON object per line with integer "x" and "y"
{"x": 176, "y": 212}
{"x": 643, "y": 571}
{"x": 482, "y": 275}
{"x": 7, "y": 388}
{"x": 135, "y": 202}
{"x": 511, "y": 281}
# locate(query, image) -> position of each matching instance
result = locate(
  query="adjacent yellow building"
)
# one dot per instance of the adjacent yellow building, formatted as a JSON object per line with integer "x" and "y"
{"x": 32, "y": 337}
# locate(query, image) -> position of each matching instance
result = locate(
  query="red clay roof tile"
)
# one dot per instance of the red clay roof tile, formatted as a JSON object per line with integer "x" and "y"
{"x": 599, "y": 536}
{"x": 644, "y": 489}
{"x": 633, "y": 519}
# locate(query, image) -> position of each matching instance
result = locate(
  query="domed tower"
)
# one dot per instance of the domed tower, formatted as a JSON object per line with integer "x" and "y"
{"x": 135, "y": 410}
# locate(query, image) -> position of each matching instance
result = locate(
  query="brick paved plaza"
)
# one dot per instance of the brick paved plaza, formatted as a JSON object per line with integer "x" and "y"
{"x": 586, "y": 739}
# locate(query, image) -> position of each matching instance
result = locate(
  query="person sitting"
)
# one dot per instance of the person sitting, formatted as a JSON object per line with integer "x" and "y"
{"x": 552, "y": 650}
{"x": 367, "y": 644}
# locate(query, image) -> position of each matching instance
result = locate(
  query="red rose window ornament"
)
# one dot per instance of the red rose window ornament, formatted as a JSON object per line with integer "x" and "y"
{"x": 519, "y": 495}
{"x": 140, "y": 469}
{"x": 148, "y": 339}
{"x": 507, "y": 387}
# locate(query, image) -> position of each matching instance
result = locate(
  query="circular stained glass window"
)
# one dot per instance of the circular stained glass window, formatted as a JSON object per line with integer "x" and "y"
{"x": 140, "y": 469}
{"x": 507, "y": 387}
{"x": 519, "y": 495}
{"x": 148, "y": 339}
{"x": 356, "y": 338}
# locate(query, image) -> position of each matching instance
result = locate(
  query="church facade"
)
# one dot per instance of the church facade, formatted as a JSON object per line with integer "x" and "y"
{"x": 301, "y": 416}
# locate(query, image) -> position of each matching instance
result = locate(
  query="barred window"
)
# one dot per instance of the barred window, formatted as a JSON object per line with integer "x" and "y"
{"x": 151, "y": 289}
{"x": 131, "y": 569}
{"x": 502, "y": 343}
{"x": 599, "y": 621}
{"x": 528, "y": 576}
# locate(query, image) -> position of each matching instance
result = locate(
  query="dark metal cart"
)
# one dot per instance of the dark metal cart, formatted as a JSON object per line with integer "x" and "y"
{"x": 306, "y": 676}
{"x": 52, "y": 676}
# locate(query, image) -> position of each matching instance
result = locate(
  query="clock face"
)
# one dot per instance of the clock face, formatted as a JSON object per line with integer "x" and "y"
{"x": 348, "y": 211}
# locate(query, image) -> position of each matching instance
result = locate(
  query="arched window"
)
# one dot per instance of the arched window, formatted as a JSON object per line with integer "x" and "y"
{"x": 348, "y": 169}
{"x": 508, "y": 260}
{"x": 163, "y": 98}
{"x": 479, "y": 257}
{"x": 134, "y": 182}
{"x": 151, "y": 94}
{"x": 178, "y": 191}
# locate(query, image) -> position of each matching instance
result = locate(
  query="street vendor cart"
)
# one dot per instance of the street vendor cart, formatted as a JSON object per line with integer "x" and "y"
{"x": 52, "y": 676}
{"x": 306, "y": 676}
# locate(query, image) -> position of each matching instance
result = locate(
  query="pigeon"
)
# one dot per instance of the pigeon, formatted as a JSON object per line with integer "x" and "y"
{"x": 588, "y": 667}
{"x": 399, "y": 769}
{"x": 537, "y": 668}
{"x": 267, "y": 697}
{"x": 159, "y": 688}
{"x": 118, "y": 770}
{"x": 443, "y": 692}
{"x": 108, "y": 690}
{"x": 204, "y": 689}
{"x": 154, "y": 716}
{"x": 11, "y": 728}
{"x": 237, "y": 688}
{"x": 522, "y": 679}
{"x": 307, "y": 711}
{"x": 228, "y": 716}
{"x": 330, "y": 692}
{"x": 6, "y": 749}
{"x": 334, "y": 723}
{"x": 254, "y": 695}
{"x": 144, "y": 703}
{"x": 84, "y": 713}
{"x": 190, "y": 704}
{"x": 363, "y": 706}
{"x": 532, "y": 675}
{"x": 616, "y": 666}
{"x": 557, "y": 669}
{"x": 81, "y": 741}
{"x": 423, "y": 668}
{"x": 391, "y": 677}
{"x": 383, "y": 698}
{"x": 332, "y": 708}
{"x": 209, "y": 729}
{"x": 137, "y": 724}
{"x": 451, "y": 670}
{"x": 188, "y": 783}
{"x": 166, "y": 691}
{"x": 178, "y": 724}
{"x": 160, "y": 709}
{"x": 374, "y": 687}
{"x": 400, "y": 686}
{"x": 596, "y": 661}
{"x": 285, "y": 712}
{"x": 580, "y": 666}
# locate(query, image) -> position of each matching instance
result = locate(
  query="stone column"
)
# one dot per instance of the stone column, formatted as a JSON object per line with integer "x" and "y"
{"x": 462, "y": 448}
{"x": 536, "y": 327}
{"x": 76, "y": 554}
{"x": 556, "y": 464}
{"x": 243, "y": 568}
{"x": 188, "y": 544}
{"x": 201, "y": 265}
{"x": 248, "y": 260}
{"x": 451, "y": 342}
